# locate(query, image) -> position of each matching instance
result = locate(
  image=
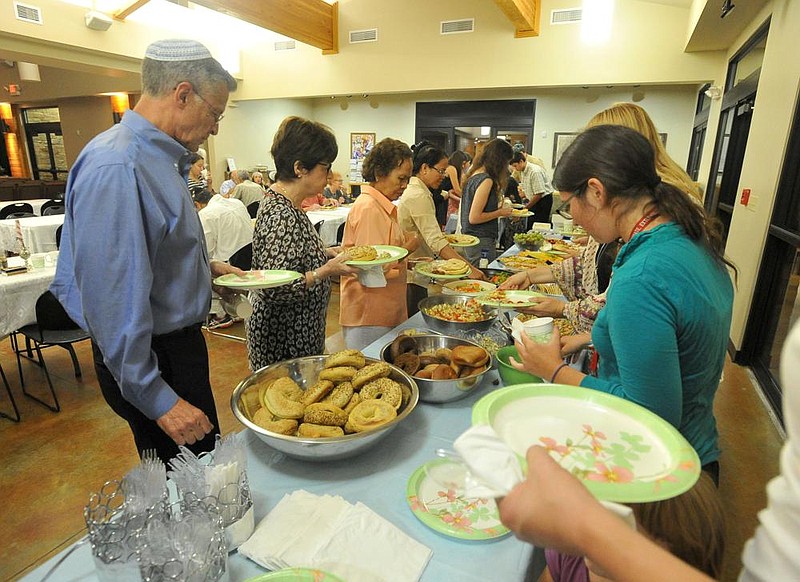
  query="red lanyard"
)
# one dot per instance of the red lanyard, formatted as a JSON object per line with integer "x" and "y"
{"x": 640, "y": 226}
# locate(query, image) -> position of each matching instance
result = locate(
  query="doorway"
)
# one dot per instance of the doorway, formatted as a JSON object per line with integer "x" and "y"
{"x": 45, "y": 144}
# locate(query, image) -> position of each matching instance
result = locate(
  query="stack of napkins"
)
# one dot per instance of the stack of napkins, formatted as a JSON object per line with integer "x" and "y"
{"x": 328, "y": 533}
{"x": 372, "y": 277}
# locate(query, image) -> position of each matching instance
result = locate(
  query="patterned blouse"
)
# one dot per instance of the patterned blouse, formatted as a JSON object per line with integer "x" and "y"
{"x": 288, "y": 321}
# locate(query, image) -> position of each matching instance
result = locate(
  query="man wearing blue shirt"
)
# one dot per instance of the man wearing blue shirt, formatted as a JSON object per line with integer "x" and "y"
{"x": 133, "y": 268}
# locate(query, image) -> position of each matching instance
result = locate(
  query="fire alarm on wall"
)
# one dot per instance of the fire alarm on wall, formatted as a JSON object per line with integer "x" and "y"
{"x": 14, "y": 89}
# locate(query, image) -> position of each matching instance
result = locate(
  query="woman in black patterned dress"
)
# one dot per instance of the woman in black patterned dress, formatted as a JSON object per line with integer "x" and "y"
{"x": 289, "y": 321}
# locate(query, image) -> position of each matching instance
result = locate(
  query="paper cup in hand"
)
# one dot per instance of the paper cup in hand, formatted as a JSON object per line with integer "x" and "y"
{"x": 539, "y": 329}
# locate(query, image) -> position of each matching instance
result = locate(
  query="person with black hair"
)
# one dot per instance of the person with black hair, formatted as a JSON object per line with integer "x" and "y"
{"x": 458, "y": 164}
{"x": 482, "y": 203}
{"x": 670, "y": 286}
{"x": 415, "y": 209}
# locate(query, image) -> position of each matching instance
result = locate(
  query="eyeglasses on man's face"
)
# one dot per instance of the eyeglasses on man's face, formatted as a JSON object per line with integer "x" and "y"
{"x": 217, "y": 115}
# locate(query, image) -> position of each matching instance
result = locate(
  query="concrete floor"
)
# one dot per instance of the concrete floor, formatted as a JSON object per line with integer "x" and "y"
{"x": 52, "y": 462}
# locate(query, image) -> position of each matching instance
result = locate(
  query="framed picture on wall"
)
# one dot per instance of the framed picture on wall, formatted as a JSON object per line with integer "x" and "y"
{"x": 663, "y": 137}
{"x": 360, "y": 145}
{"x": 561, "y": 141}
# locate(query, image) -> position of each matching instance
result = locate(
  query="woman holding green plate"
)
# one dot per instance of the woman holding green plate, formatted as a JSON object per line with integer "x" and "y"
{"x": 289, "y": 321}
{"x": 368, "y": 312}
{"x": 416, "y": 211}
{"x": 663, "y": 334}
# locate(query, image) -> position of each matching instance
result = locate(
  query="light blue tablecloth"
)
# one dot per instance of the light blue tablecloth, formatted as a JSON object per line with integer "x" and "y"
{"x": 378, "y": 479}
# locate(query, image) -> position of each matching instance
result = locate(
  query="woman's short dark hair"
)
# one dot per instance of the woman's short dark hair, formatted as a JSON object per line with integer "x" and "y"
{"x": 623, "y": 160}
{"x": 194, "y": 158}
{"x": 425, "y": 153}
{"x": 387, "y": 155}
{"x": 301, "y": 140}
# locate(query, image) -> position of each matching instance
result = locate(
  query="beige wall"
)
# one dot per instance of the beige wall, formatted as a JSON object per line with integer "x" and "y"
{"x": 83, "y": 118}
{"x": 775, "y": 106}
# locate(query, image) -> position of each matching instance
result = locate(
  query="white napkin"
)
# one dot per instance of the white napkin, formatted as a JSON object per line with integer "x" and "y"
{"x": 372, "y": 277}
{"x": 328, "y": 533}
{"x": 494, "y": 469}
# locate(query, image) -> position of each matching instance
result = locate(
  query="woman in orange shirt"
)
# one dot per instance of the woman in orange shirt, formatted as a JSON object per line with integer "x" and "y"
{"x": 366, "y": 313}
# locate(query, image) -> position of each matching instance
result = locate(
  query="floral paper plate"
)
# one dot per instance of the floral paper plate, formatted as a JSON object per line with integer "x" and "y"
{"x": 509, "y": 298}
{"x": 621, "y": 451}
{"x": 391, "y": 253}
{"x": 296, "y": 575}
{"x": 435, "y": 493}
{"x": 257, "y": 279}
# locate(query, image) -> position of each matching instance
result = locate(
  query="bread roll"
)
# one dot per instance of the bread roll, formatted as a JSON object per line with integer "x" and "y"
{"x": 471, "y": 356}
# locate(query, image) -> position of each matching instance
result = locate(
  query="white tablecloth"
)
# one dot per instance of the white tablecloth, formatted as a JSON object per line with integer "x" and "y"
{"x": 19, "y": 294}
{"x": 38, "y": 232}
{"x": 333, "y": 218}
{"x": 377, "y": 478}
{"x": 36, "y": 204}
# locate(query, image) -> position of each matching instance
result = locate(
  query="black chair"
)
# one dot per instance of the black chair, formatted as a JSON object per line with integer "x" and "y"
{"x": 52, "y": 207}
{"x": 16, "y": 416}
{"x": 14, "y": 210}
{"x": 252, "y": 208}
{"x": 319, "y": 225}
{"x": 58, "y": 236}
{"x": 53, "y": 327}
{"x": 243, "y": 258}
{"x": 340, "y": 234}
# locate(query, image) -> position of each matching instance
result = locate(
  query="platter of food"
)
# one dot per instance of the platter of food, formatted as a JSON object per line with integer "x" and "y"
{"x": 444, "y": 269}
{"x": 462, "y": 240}
{"x": 521, "y": 262}
{"x": 435, "y": 494}
{"x": 520, "y": 213}
{"x": 365, "y": 256}
{"x": 511, "y": 298}
{"x": 619, "y": 450}
{"x": 257, "y": 279}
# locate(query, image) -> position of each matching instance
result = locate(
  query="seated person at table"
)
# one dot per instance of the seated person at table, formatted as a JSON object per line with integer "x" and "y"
{"x": 258, "y": 178}
{"x": 317, "y": 201}
{"x": 229, "y": 184}
{"x": 334, "y": 191}
{"x": 671, "y": 285}
{"x": 482, "y": 201}
{"x": 690, "y": 526}
{"x": 227, "y": 227}
{"x": 246, "y": 190}
{"x": 196, "y": 179}
{"x": 415, "y": 209}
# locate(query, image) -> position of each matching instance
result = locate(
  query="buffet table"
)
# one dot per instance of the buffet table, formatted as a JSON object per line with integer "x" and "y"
{"x": 378, "y": 479}
{"x": 38, "y": 232}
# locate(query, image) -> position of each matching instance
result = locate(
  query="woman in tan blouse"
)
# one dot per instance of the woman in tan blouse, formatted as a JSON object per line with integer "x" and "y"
{"x": 416, "y": 210}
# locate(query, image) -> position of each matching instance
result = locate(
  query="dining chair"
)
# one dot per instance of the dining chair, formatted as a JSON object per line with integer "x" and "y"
{"x": 340, "y": 234}
{"x": 58, "y": 235}
{"x": 318, "y": 226}
{"x": 52, "y": 207}
{"x": 252, "y": 208}
{"x": 16, "y": 416}
{"x": 11, "y": 210}
{"x": 53, "y": 327}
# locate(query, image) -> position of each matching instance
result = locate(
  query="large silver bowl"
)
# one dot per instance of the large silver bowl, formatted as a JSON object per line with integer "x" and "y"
{"x": 455, "y": 326}
{"x": 305, "y": 371}
{"x": 441, "y": 390}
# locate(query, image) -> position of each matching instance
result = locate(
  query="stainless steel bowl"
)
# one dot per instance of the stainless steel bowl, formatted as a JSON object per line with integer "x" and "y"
{"x": 455, "y": 326}
{"x": 441, "y": 390}
{"x": 305, "y": 371}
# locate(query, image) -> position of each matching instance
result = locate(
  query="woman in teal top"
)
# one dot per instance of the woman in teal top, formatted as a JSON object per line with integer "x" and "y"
{"x": 663, "y": 334}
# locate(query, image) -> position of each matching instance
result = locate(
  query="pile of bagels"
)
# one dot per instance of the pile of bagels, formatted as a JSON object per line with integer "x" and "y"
{"x": 441, "y": 364}
{"x": 349, "y": 396}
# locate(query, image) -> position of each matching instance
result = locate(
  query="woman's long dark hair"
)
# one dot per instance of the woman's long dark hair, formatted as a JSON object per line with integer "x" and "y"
{"x": 494, "y": 159}
{"x": 622, "y": 159}
{"x": 457, "y": 159}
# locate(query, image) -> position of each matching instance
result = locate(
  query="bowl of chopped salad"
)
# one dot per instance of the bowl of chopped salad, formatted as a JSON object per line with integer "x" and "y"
{"x": 456, "y": 313}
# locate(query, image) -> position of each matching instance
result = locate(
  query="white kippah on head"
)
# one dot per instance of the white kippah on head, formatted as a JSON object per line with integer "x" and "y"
{"x": 177, "y": 49}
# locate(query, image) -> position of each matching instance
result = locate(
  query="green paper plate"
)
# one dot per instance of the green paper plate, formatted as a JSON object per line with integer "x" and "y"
{"x": 621, "y": 451}
{"x": 296, "y": 575}
{"x": 257, "y": 279}
{"x": 424, "y": 269}
{"x": 435, "y": 493}
{"x": 395, "y": 254}
{"x": 511, "y": 299}
{"x": 469, "y": 240}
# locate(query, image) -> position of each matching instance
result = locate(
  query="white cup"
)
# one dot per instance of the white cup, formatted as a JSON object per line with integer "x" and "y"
{"x": 38, "y": 260}
{"x": 539, "y": 329}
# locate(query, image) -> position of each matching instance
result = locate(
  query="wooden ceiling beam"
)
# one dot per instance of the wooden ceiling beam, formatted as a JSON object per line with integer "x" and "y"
{"x": 126, "y": 11}
{"x": 523, "y": 14}
{"x": 311, "y": 22}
